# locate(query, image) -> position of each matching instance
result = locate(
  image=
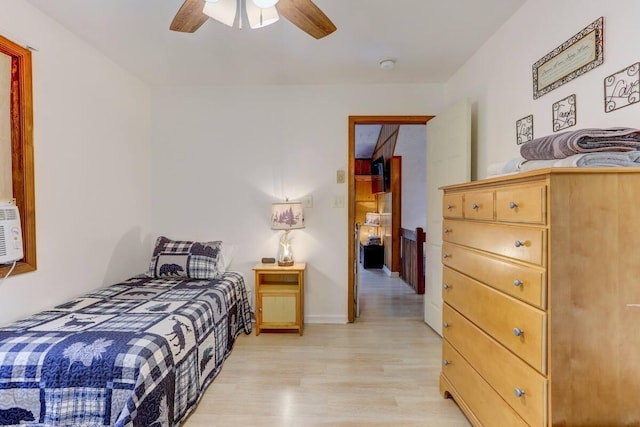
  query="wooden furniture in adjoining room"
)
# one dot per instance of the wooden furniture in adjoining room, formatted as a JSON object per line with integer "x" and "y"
{"x": 365, "y": 202}
{"x": 540, "y": 289}
{"x": 390, "y": 205}
{"x": 371, "y": 256}
{"x": 279, "y": 297}
{"x": 412, "y": 270}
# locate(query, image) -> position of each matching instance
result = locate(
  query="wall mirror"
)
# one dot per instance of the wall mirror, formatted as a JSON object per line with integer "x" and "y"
{"x": 16, "y": 145}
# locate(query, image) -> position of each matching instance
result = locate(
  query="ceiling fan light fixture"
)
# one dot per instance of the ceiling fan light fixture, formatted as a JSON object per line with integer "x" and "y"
{"x": 264, "y": 4}
{"x": 259, "y": 17}
{"x": 223, "y": 11}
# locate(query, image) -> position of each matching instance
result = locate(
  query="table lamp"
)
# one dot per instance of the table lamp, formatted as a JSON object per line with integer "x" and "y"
{"x": 286, "y": 216}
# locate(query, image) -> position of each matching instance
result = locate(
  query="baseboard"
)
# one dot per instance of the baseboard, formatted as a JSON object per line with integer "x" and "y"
{"x": 389, "y": 272}
{"x": 329, "y": 319}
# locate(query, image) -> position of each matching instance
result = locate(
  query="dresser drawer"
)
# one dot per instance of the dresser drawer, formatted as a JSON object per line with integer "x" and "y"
{"x": 507, "y": 374}
{"x": 500, "y": 316}
{"x": 479, "y": 397}
{"x": 522, "y": 204}
{"x": 452, "y": 205}
{"x": 521, "y": 243}
{"x": 478, "y": 205}
{"x": 525, "y": 283}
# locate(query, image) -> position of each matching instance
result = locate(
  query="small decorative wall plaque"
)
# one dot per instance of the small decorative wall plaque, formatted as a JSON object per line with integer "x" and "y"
{"x": 622, "y": 88}
{"x": 576, "y": 56}
{"x": 524, "y": 129}
{"x": 564, "y": 113}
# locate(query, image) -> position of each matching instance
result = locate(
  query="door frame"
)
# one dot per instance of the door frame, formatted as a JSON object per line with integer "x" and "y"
{"x": 353, "y": 121}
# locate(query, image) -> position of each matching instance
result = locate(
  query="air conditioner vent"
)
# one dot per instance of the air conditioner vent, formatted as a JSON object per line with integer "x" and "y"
{"x": 8, "y": 214}
{"x": 3, "y": 242}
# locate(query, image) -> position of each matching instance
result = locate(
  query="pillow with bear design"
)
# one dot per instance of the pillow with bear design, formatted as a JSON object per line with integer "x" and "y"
{"x": 184, "y": 258}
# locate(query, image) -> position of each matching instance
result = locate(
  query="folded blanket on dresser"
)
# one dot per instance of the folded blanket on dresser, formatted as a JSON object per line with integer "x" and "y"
{"x": 565, "y": 144}
{"x": 602, "y": 159}
{"x": 594, "y": 160}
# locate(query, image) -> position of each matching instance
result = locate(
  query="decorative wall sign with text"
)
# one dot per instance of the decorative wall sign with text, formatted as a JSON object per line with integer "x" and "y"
{"x": 524, "y": 129}
{"x": 581, "y": 53}
{"x": 564, "y": 113}
{"x": 622, "y": 88}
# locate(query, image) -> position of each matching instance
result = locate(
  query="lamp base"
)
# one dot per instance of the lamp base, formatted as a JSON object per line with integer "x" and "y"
{"x": 285, "y": 263}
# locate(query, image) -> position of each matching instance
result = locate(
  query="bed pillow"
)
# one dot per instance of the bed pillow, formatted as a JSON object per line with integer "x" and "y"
{"x": 228, "y": 250}
{"x": 183, "y": 258}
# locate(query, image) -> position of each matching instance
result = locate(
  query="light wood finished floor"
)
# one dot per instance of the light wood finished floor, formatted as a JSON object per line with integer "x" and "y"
{"x": 380, "y": 371}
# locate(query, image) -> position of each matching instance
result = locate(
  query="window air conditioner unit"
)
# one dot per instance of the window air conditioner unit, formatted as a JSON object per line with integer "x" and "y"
{"x": 10, "y": 234}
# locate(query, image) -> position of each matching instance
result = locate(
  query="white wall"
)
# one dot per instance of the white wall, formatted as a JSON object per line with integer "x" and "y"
{"x": 91, "y": 144}
{"x": 498, "y": 77}
{"x": 412, "y": 146}
{"x": 222, "y": 155}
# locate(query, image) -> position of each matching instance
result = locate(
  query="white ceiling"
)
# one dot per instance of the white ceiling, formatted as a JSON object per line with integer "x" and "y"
{"x": 429, "y": 39}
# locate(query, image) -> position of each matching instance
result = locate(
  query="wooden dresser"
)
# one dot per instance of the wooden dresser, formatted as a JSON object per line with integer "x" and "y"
{"x": 541, "y": 290}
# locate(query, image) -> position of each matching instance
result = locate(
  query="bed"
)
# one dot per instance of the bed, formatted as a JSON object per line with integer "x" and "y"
{"x": 138, "y": 353}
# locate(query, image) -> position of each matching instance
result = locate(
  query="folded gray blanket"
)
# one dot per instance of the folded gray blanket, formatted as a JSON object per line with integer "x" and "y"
{"x": 602, "y": 159}
{"x": 565, "y": 144}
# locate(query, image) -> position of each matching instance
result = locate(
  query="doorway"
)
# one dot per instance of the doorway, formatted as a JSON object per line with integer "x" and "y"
{"x": 352, "y": 259}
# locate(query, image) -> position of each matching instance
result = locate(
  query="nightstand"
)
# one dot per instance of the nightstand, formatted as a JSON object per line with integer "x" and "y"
{"x": 279, "y": 297}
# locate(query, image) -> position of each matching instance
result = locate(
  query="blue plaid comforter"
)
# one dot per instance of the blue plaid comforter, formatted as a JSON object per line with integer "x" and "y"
{"x": 138, "y": 353}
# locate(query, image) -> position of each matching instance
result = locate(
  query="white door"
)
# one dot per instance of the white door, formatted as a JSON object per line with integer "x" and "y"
{"x": 448, "y": 162}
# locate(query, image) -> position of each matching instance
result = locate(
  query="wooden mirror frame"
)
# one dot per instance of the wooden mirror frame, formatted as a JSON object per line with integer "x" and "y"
{"x": 22, "y": 151}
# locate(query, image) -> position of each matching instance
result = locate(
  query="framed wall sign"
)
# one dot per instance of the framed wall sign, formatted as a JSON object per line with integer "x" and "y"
{"x": 622, "y": 88}
{"x": 524, "y": 129}
{"x": 564, "y": 113}
{"x": 581, "y": 53}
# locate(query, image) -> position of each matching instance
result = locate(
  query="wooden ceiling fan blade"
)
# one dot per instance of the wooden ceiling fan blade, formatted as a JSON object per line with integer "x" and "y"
{"x": 190, "y": 17}
{"x": 305, "y": 15}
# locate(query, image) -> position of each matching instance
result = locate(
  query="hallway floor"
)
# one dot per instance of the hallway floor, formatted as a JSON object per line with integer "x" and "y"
{"x": 380, "y": 371}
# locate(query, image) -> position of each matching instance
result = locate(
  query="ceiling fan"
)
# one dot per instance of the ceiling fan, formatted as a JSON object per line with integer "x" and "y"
{"x": 302, "y": 13}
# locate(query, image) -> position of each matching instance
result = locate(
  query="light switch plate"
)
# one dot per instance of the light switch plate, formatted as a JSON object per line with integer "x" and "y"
{"x": 340, "y": 176}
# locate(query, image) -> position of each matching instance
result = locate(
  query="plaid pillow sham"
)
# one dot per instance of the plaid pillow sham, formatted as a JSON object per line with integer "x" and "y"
{"x": 183, "y": 258}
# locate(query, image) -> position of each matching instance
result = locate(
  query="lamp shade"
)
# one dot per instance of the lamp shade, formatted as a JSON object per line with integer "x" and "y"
{"x": 287, "y": 216}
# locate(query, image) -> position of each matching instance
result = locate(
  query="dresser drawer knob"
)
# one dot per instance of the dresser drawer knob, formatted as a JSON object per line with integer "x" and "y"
{"x": 518, "y": 282}
{"x": 445, "y": 286}
{"x": 445, "y": 325}
{"x": 518, "y": 392}
{"x": 475, "y": 206}
{"x": 518, "y": 243}
{"x": 518, "y": 332}
{"x": 446, "y": 231}
{"x": 445, "y": 256}
{"x": 449, "y": 207}
{"x": 513, "y": 205}
{"x": 446, "y": 362}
